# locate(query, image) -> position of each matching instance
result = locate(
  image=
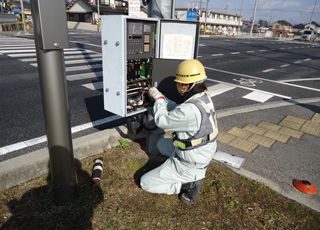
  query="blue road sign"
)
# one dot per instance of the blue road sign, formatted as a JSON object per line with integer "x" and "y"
{"x": 192, "y": 15}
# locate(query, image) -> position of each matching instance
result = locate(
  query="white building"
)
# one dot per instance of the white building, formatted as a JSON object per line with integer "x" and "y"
{"x": 216, "y": 23}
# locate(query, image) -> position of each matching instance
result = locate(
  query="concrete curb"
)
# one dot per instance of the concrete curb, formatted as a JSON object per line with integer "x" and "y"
{"x": 32, "y": 165}
{"x": 281, "y": 189}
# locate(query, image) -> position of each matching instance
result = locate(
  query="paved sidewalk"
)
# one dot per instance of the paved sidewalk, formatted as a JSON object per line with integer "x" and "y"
{"x": 274, "y": 157}
{"x": 280, "y": 142}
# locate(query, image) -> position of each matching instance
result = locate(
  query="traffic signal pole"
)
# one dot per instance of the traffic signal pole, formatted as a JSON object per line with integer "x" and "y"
{"x": 51, "y": 37}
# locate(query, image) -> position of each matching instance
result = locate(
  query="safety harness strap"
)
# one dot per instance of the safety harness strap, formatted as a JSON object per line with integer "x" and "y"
{"x": 186, "y": 144}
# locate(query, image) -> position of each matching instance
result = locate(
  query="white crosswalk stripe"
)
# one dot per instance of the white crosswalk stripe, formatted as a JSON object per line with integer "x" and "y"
{"x": 80, "y": 64}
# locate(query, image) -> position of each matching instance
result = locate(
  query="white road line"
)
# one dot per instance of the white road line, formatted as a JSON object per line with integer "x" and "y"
{"x": 75, "y": 68}
{"x": 75, "y": 77}
{"x": 285, "y": 65}
{"x": 31, "y": 44}
{"x": 80, "y": 56}
{"x": 296, "y": 47}
{"x": 84, "y": 52}
{"x": 199, "y": 56}
{"x": 94, "y": 86}
{"x": 15, "y": 48}
{"x": 78, "y": 41}
{"x": 267, "y": 70}
{"x": 258, "y": 96}
{"x": 282, "y": 48}
{"x": 308, "y": 59}
{"x": 244, "y": 87}
{"x": 235, "y": 53}
{"x": 81, "y": 61}
{"x": 21, "y": 145}
{"x": 202, "y": 45}
{"x": 264, "y": 79}
{"x": 296, "y": 62}
{"x": 91, "y": 44}
{"x": 250, "y": 51}
{"x": 302, "y": 79}
{"x": 262, "y": 50}
{"x": 219, "y": 89}
{"x": 213, "y": 55}
{"x": 33, "y": 50}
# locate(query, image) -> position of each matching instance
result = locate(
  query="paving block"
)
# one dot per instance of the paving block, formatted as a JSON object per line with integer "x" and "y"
{"x": 316, "y": 117}
{"x": 261, "y": 140}
{"x": 240, "y": 132}
{"x": 243, "y": 144}
{"x": 292, "y": 122}
{"x": 255, "y": 129}
{"x": 224, "y": 137}
{"x": 277, "y": 136}
{"x": 311, "y": 127}
{"x": 290, "y": 132}
{"x": 269, "y": 126}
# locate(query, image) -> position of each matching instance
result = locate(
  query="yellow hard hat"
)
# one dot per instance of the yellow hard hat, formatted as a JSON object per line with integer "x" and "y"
{"x": 190, "y": 71}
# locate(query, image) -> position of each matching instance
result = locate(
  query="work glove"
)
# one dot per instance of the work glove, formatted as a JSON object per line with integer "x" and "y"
{"x": 155, "y": 94}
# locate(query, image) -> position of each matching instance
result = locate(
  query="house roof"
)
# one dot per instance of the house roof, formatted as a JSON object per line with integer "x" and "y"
{"x": 16, "y": 4}
{"x": 144, "y": 9}
{"x": 87, "y": 7}
{"x": 299, "y": 26}
{"x": 83, "y": 2}
{"x": 284, "y": 22}
{"x": 313, "y": 22}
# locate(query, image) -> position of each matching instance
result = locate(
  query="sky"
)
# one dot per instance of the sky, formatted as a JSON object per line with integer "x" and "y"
{"x": 295, "y": 12}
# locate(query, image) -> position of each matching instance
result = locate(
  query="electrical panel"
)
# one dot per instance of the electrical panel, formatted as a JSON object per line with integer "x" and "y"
{"x": 129, "y": 47}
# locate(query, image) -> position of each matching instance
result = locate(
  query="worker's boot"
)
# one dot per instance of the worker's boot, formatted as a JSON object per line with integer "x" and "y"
{"x": 190, "y": 192}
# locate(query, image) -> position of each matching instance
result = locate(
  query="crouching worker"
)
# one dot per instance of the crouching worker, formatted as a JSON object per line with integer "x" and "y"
{"x": 194, "y": 124}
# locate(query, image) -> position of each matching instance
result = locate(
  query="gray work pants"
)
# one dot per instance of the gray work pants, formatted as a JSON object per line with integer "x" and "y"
{"x": 168, "y": 177}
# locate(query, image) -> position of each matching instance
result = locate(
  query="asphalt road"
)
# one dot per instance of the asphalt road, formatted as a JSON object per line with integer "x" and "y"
{"x": 241, "y": 71}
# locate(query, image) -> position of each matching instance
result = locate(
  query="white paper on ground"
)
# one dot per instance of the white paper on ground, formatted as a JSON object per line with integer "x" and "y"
{"x": 228, "y": 159}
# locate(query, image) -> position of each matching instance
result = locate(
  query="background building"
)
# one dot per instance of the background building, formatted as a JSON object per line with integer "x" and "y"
{"x": 216, "y": 22}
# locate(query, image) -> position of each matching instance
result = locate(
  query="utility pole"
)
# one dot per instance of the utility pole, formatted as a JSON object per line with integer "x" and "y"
{"x": 240, "y": 19}
{"x": 22, "y": 16}
{"x": 98, "y": 5}
{"x": 227, "y": 6}
{"x": 51, "y": 37}
{"x": 205, "y": 22}
{"x": 312, "y": 14}
{"x": 254, "y": 15}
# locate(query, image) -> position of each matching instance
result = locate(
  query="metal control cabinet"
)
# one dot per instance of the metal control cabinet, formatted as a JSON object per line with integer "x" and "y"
{"x": 130, "y": 45}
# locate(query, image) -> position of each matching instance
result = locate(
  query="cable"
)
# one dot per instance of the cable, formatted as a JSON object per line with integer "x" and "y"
{"x": 145, "y": 2}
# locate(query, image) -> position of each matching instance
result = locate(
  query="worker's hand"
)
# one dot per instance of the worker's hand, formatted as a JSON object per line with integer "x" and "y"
{"x": 155, "y": 94}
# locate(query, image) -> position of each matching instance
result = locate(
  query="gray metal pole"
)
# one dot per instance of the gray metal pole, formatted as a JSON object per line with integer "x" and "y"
{"x": 312, "y": 14}
{"x": 22, "y": 16}
{"x": 254, "y": 15}
{"x": 173, "y": 9}
{"x": 205, "y": 21}
{"x": 49, "y": 48}
{"x": 240, "y": 19}
{"x": 98, "y": 5}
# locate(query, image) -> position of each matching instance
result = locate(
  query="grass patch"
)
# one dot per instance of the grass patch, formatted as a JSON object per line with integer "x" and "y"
{"x": 227, "y": 201}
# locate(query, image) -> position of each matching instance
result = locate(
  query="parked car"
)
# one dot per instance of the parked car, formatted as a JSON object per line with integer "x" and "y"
{"x": 308, "y": 35}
